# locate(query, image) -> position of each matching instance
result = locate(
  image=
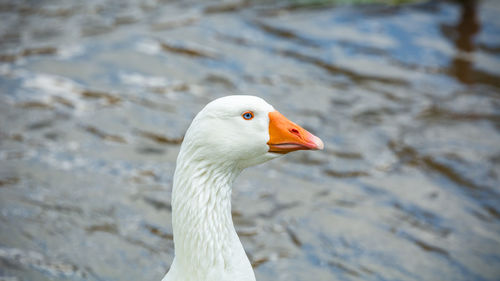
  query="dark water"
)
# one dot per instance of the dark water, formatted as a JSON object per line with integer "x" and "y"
{"x": 95, "y": 98}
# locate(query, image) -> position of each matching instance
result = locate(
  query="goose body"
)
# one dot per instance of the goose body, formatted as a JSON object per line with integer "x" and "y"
{"x": 227, "y": 136}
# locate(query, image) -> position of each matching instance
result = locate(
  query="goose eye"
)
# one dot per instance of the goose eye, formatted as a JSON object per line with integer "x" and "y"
{"x": 247, "y": 115}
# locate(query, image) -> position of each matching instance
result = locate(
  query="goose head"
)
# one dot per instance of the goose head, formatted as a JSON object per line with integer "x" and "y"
{"x": 244, "y": 131}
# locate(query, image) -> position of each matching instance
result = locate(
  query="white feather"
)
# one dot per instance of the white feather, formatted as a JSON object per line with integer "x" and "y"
{"x": 218, "y": 145}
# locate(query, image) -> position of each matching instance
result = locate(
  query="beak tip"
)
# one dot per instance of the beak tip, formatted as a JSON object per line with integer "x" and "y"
{"x": 318, "y": 142}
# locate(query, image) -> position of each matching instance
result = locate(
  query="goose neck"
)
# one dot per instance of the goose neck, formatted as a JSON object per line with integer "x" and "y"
{"x": 204, "y": 233}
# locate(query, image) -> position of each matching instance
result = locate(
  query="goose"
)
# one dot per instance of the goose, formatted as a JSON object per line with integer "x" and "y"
{"x": 228, "y": 135}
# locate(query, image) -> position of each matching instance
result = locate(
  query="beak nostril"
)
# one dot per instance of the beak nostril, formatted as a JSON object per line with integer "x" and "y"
{"x": 294, "y": 131}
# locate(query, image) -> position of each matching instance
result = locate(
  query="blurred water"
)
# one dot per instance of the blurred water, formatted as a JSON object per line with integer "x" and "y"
{"x": 95, "y": 98}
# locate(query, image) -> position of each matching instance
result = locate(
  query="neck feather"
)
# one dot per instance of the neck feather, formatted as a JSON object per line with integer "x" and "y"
{"x": 204, "y": 233}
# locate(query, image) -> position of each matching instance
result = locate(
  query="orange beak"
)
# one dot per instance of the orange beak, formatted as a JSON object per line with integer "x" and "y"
{"x": 286, "y": 136}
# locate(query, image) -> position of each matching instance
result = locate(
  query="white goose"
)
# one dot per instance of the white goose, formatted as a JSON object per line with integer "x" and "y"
{"x": 227, "y": 136}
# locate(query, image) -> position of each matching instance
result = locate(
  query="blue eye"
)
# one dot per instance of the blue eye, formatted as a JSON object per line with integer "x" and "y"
{"x": 247, "y": 115}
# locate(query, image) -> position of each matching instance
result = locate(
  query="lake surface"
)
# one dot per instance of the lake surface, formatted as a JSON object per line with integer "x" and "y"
{"x": 95, "y": 97}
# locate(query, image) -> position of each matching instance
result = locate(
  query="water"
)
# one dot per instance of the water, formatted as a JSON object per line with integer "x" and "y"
{"x": 95, "y": 98}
